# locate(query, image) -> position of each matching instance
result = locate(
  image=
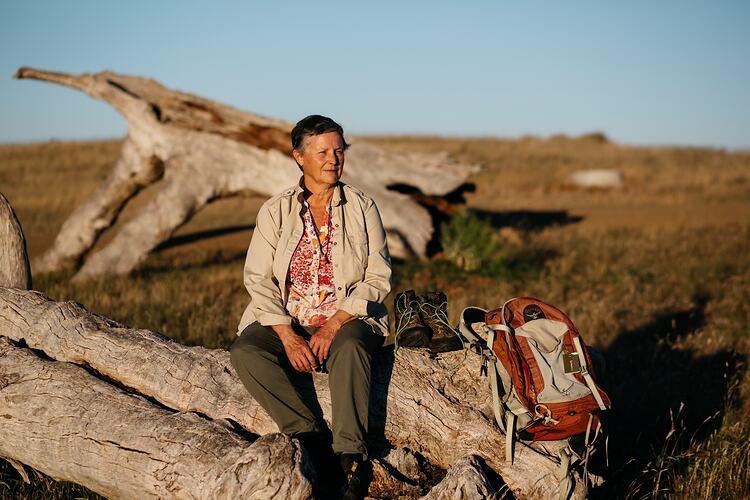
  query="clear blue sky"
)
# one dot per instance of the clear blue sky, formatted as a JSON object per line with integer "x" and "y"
{"x": 651, "y": 72}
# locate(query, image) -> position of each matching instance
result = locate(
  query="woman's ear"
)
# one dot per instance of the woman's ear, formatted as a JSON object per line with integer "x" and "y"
{"x": 298, "y": 158}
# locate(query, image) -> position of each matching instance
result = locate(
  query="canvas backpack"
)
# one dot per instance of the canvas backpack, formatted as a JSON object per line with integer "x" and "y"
{"x": 541, "y": 377}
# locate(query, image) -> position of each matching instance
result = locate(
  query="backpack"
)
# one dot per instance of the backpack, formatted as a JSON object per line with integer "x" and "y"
{"x": 541, "y": 377}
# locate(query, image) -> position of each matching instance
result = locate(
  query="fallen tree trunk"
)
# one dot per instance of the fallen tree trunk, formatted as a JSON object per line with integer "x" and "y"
{"x": 14, "y": 261}
{"x": 417, "y": 402}
{"x": 204, "y": 150}
{"x": 67, "y": 423}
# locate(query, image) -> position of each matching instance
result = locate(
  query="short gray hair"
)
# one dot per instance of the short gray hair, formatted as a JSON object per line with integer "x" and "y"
{"x": 314, "y": 125}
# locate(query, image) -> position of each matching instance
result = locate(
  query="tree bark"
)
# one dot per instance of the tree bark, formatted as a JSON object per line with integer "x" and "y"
{"x": 69, "y": 424}
{"x": 133, "y": 171}
{"x": 14, "y": 261}
{"x": 207, "y": 150}
{"x": 386, "y": 483}
{"x": 439, "y": 408}
{"x": 466, "y": 480}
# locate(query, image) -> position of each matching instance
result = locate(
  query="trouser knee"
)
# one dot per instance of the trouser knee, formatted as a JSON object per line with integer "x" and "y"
{"x": 351, "y": 344}
{"x": 237, "y": 353}
{"x": 244, "y": 355}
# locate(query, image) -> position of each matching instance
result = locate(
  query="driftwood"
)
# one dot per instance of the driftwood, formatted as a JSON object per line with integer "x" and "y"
{"x": 466, "y": 480}
{"x": 418, "y": 402}
{"x": 386, "y": 483}
{"x": 14, "y": 262}
{"x": 59, "y": 419}
{"x": 202, "y": 150}
{"x": 406, "y": 463}
{"x": 596, "y": 178}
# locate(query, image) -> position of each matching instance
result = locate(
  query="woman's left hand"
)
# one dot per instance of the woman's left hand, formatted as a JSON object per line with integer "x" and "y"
{"x": 321, "y": 340}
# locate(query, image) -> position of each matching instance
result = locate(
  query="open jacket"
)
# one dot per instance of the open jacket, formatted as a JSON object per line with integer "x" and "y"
{"x": 362, "y": 264}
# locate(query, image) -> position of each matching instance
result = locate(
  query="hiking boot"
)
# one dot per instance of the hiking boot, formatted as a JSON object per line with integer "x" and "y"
{"x": 410, "y": 329}
{"x": 355, "y": 481}
{"x": 324, "y": 462}
{"x": 434, "y": 309}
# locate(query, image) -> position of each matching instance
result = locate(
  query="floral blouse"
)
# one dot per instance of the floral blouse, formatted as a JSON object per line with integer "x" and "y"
{"x": 310, "y": 289}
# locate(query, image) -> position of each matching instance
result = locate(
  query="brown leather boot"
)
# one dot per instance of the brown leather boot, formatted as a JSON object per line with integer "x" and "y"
{"x": 410, "y": 329}
{"x": 434, "y": 309}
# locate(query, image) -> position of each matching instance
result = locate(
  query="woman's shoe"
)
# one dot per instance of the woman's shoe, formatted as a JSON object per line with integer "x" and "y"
{"x": 411, "y": 331}
{"x": 434, "y": 310}
{"x": 355, "y": 476}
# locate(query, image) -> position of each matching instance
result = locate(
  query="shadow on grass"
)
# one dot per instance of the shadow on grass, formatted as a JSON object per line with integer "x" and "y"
{"x": 202, "y": 235}
{"x": 649, "y": 377}
{"x": 157, "y": 264}
{"x": 41, "y": 487}
{"x": 440, "y": 209}
{"x": 527, "y": 220}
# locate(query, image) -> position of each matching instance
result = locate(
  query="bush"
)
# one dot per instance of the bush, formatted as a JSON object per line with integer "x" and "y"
{"x": 468, "y": 242}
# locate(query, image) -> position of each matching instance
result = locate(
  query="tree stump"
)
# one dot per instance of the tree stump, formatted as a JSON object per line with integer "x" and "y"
{"x": 14, "y": 261}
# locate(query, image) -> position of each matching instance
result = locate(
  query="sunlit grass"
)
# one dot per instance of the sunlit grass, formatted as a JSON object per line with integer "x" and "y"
{"x": 670, "y": 308}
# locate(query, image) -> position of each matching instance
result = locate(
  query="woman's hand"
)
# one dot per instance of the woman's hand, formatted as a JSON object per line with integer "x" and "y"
{"x": 297, "y": 349}
{"x": 321, "y": 340}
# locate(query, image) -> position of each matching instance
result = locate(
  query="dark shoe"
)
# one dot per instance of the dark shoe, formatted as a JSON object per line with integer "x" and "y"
{"x": 355, "y": 476}
{"x": 410, "y": 329}
{"x": 434, "y": 310}
{"x": 324, "y": 461}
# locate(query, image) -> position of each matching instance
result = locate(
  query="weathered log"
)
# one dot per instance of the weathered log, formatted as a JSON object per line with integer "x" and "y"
{"x": 65, "y": 422}
{"x": 205, "y": 150}
{"x": 439, "y": 408}
{"x": 596, "y": 178}
{"x": 465, "y": 481}
{"x": 386, "y": 483}
{"x": 14, "y": 261}
{"x": 406, "y": 463}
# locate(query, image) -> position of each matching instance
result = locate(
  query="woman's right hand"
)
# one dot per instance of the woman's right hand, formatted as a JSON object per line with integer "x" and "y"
{"x": 297, "y": 349}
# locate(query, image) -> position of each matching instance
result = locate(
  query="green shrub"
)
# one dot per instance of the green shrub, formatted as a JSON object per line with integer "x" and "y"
{"x": 468, "y": 242}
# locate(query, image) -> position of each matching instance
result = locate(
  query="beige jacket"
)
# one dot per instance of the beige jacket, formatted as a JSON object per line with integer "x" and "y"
{"x": 362, "y": 264}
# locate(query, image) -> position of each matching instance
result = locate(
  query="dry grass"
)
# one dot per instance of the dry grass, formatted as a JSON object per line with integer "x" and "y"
{"x": 656, "y": 275}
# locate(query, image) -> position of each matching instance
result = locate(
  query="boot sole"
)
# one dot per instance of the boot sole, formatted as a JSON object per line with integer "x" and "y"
{"x": 415, "y": 336}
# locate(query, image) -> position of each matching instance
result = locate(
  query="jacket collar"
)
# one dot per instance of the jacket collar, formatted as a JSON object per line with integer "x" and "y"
{"x": 338, "y": 192}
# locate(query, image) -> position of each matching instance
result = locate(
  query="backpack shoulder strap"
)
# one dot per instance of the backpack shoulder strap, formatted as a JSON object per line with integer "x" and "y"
{"x": 507, "y": 424}
{"x": 586, "y": 375}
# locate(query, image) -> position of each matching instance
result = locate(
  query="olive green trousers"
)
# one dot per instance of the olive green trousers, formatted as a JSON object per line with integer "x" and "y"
{"x": 288, "y": 396}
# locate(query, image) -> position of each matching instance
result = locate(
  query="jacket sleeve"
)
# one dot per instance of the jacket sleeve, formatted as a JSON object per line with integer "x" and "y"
{"x": 265, "y": 292}
{"x": 376, "y": 285}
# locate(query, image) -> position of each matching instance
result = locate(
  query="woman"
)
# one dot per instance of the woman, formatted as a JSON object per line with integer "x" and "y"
{"x": 318, "y": 271}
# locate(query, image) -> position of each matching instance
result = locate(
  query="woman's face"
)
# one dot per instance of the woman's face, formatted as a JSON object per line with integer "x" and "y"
{"x": 322, "y": 161}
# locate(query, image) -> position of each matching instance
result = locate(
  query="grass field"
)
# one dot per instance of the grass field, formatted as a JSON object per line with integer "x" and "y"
{"x": 656, "y": 275}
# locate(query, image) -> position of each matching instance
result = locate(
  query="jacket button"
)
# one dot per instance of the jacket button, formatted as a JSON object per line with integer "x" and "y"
{"x": 334, "y": 243}
{"x": 339, "y": 288}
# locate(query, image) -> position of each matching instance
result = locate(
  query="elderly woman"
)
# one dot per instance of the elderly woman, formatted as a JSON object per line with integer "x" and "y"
{"x": 318, "y": 271}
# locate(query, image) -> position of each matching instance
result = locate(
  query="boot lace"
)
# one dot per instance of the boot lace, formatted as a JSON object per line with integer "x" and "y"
{"x": 406, "y": 310}
{"x": 438, "y": 313}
